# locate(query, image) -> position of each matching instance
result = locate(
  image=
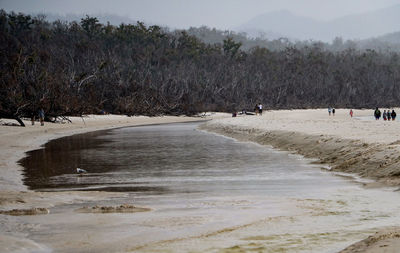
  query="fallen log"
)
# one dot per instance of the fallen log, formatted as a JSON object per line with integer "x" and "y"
{"x": 4, "y": 115}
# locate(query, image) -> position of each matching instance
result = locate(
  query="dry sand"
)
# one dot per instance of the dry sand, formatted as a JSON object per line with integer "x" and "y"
{"x": 366, "y": 147}
{"x": 361, "y": 146}
{"x": 16, "y": 199}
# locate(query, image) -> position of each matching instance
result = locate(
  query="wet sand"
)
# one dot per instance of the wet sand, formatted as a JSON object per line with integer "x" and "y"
{"x": 362, "y": 146}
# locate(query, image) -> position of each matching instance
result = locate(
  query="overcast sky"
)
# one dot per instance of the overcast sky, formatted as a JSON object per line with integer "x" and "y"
{"x": 222, "y": 14}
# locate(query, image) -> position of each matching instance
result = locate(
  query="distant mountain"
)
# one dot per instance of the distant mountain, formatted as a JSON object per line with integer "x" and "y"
{"x": 279, "y": 24}
{"x": 387, "y": 42}
{"x": 393, "y": 38}
{"x": 370, "y": 24}
{"x": 359, "y": 26}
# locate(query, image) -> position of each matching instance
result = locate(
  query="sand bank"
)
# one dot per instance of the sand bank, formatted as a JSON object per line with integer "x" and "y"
{"x": 365, "y": 147}
{"x": 359, "y": 145}
{"x": 387, "y": 240}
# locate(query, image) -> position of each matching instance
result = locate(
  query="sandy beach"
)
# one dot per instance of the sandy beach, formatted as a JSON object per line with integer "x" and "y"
{"x": 358, "y": 145}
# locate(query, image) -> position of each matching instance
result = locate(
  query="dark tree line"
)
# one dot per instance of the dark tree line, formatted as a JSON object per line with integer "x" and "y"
{"x": 78, "y": 68}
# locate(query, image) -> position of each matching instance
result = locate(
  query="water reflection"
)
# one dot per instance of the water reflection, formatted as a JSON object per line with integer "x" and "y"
{"x": 167, "y": 158}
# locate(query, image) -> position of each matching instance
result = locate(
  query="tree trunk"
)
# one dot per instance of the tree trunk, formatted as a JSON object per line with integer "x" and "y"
{"x": 10, "y": 116}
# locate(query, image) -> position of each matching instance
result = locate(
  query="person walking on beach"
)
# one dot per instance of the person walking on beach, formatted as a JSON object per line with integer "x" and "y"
{"x": 329, "y": 110}
{"x": 351, "y": 113}
{"x": 260, "y": 108}
{"x": 33, "y": 118}
{"x": 384, "y": 115}
{"x": 389, "y": 115}
{"x": 41, "y": 116}
{"x": 393, "y": 115}
{"x": 333, "y": 111}
{"x": 256, "y": 109}
{"x": 377, "y": 113}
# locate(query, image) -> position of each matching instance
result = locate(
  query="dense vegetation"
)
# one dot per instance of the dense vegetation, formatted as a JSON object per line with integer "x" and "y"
{"x": 77, "y": 68}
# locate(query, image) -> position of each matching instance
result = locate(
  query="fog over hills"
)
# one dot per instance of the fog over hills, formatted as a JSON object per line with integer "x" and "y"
{"x": 378, "y": 30}
{"x": 390, "y": 38}
{"x": 358, "y": 26}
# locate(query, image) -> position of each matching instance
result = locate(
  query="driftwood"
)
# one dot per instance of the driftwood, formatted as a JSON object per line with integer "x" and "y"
{"x": 4, "y": 115}
{"x": 48, "y": 118}
{"x": 65, "y": 118}
{"x": 54, "y": 118}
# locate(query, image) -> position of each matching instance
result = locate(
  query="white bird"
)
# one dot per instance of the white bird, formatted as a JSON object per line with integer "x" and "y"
{"x": 80, "y": 171}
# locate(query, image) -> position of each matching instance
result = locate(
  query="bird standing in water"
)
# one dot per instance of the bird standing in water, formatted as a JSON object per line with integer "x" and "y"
{"x": 80, "y": 171}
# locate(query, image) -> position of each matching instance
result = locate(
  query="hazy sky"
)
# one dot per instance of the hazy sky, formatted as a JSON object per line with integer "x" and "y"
{"x": 223, "y": 14}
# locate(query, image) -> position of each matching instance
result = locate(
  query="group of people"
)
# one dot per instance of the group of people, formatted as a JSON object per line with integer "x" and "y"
{"x": 258, "y": 109}
{"x": 387, "y": 114}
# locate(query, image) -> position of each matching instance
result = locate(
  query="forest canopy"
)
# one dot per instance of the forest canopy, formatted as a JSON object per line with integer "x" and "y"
{"x": 71, "y": 68}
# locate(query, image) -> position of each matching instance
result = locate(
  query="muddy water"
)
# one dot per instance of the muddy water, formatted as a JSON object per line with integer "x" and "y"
{"x": 208, "y": 193}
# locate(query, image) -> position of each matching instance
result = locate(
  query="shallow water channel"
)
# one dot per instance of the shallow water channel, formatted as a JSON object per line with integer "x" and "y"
{"x": 209, "y": 193}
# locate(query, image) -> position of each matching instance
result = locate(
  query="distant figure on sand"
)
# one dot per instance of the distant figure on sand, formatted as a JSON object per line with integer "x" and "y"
{"x": 384, "y": 115}
{"x": 351, "y": 113}
{"x": 393, "y": 115}
{"x": 260, "y": 108}
{"x": 333, "y": 111}
{"x": 329, "y": 110}
{"x": 377, "y": 113}
{"x": 256, "y": 109}
{"x": 41, "y": 116}
{"x": 389, "y": 115}
{"x": 33, "y": 118}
